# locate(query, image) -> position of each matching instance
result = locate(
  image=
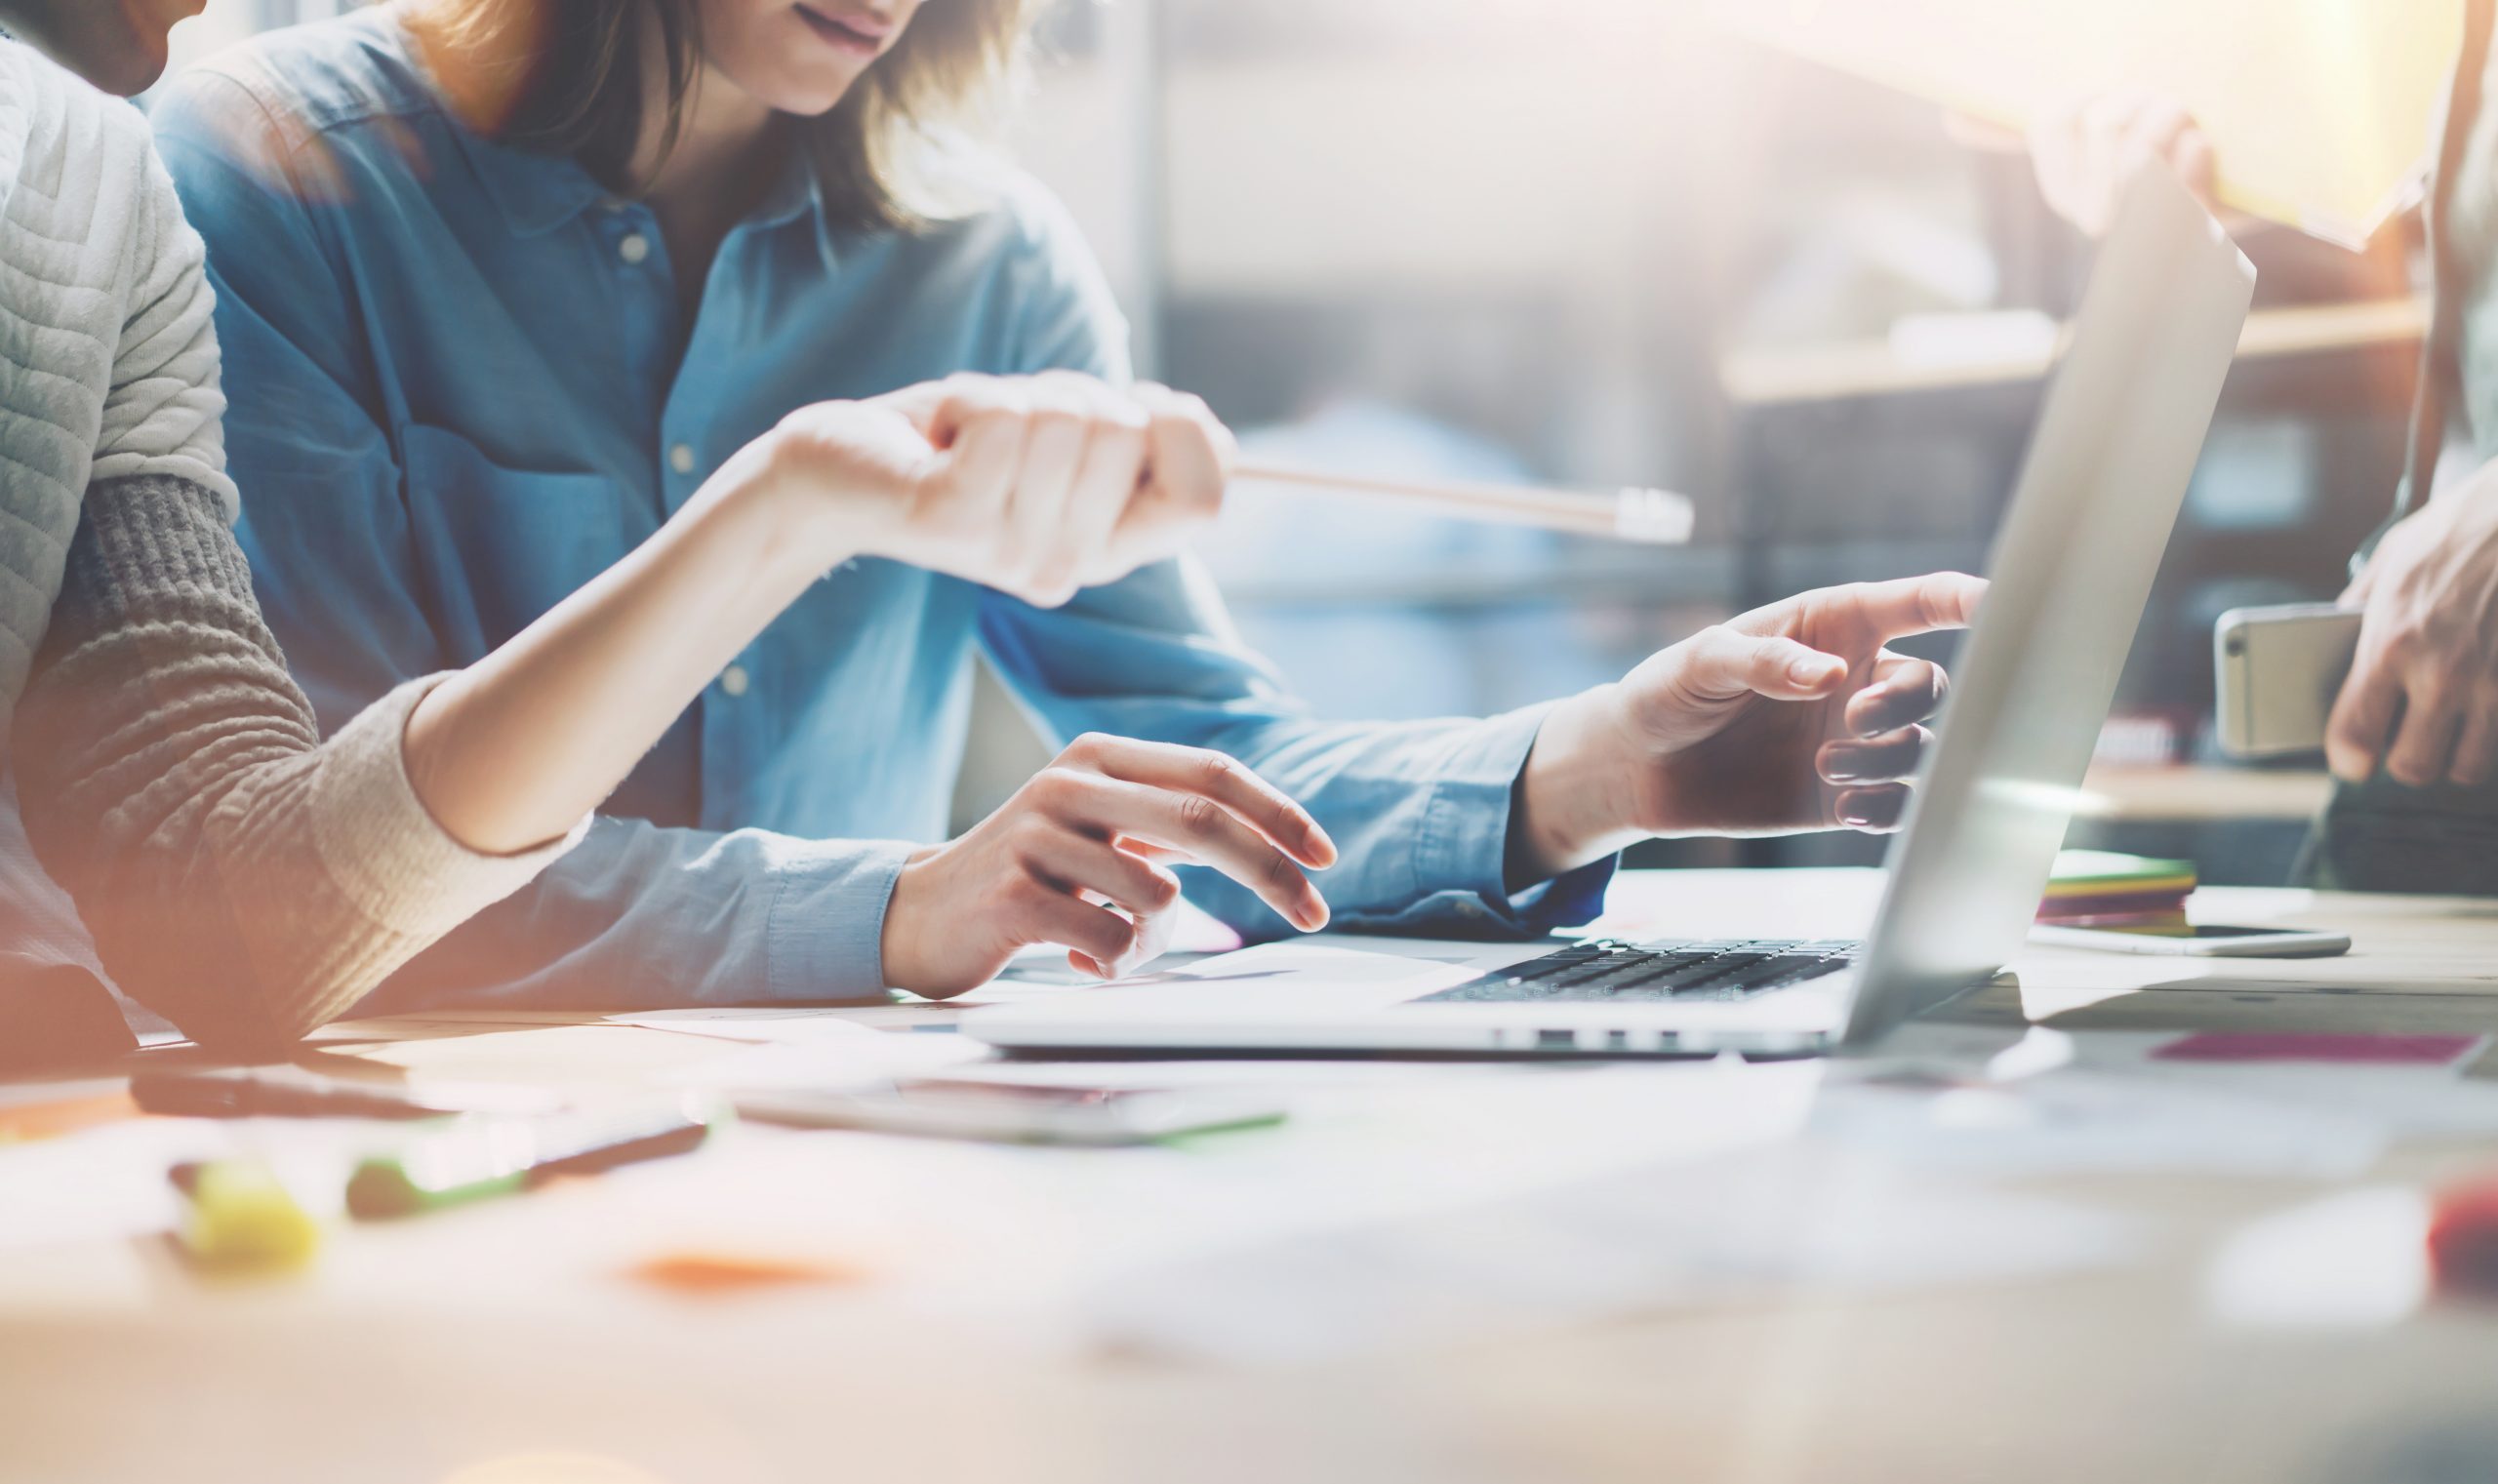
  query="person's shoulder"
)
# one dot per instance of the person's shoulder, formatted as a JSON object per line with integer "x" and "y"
{"x": 53, "y": 123}
{"x": 1008, "y": 230}
{"x": 266, "y": 99}
{"x": 1005, "y": 211}
{"x": 42, "y": 100}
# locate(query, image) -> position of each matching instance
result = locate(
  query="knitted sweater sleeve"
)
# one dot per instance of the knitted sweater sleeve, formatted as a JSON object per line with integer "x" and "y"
{"x": 164, "y": 410}
{"x": 241, "y": 876}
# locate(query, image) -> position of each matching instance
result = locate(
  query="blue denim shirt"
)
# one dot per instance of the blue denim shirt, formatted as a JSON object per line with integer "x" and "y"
{"x": 462, "y": 387}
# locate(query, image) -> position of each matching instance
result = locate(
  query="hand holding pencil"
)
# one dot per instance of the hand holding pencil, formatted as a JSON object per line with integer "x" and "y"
{"x": 1042, "y": 486}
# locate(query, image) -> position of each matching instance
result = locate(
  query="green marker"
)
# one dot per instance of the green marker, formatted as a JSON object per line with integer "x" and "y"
{"x": 473, "y": 1158}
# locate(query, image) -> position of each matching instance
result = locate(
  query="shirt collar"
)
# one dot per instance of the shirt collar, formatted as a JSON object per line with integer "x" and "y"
{"x": 538, "y": 193}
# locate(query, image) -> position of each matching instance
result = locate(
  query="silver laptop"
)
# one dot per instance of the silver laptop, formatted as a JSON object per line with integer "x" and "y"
{"x": 2109, "y": 463}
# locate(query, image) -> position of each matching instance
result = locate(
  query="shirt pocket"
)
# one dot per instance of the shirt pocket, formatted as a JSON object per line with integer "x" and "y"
{"x": 497, "y": 547}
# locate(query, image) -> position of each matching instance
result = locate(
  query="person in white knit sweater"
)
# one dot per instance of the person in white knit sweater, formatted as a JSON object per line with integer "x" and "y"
{"x": 246, "y": 878}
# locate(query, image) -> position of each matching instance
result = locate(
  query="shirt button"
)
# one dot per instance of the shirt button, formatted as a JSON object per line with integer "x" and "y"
{"x": 634, "y": 248}
{"x": 681, "y": 459}
{"x": 734, "y": 680}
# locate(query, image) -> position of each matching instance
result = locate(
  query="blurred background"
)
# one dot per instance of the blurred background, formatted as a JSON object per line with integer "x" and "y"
{"x": 1600, "y": 242}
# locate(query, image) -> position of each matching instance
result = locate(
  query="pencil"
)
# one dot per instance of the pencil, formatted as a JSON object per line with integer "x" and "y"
{"x": 1652, "y": 517}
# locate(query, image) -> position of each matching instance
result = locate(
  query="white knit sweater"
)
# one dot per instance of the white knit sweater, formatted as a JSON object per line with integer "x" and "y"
{"x": 241, "y": 875}
{"x": 108, "y": 352}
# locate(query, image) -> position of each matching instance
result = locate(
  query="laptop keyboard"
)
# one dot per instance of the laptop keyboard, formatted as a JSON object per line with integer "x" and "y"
{"x": 1605, "y": 971}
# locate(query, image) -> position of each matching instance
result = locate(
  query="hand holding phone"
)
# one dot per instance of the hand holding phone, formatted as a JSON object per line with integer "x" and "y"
{"x": 2277, "y": 671}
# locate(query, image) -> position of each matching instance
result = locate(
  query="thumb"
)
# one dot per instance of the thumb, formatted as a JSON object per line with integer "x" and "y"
{"x": 1734, "y": 664}
{"x": 2357, "y": 594}
{"x": 940, "y": 410}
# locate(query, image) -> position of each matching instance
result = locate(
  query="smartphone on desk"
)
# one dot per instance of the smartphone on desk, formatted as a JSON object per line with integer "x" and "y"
{"x": 2277, "y": 671}
{"x": 2201, "y": 939}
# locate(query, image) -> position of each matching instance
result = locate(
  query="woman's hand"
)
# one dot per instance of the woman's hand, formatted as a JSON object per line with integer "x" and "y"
{"x": 1075, "y": 859}
{"x": 1037, "y": 486}
{"x": 2420, "y": 701}
{"x": 1790, "y": 717}
{"x": 2085, "y": 155}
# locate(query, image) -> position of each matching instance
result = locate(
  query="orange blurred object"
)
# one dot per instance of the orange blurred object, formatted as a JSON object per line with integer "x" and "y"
{"x": 2463, "y": 1238}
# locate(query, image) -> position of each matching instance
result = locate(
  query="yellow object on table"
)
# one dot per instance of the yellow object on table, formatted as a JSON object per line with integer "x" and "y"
{"x": 242, "y": 1220}
{"x": 2319, "y": 111}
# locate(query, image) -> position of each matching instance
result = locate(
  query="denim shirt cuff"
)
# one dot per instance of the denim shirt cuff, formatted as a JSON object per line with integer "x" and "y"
{"x": 825, "y": 937}
{"x": 1461, "y": 854}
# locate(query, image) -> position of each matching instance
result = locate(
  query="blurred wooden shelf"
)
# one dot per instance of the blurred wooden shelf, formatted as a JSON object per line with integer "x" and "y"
{"x": 2201, "y": 794}
{"x": 1841, "y": 371}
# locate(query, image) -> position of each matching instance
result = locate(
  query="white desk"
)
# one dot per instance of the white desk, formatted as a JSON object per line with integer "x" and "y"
{"x": 477, "y": 1346}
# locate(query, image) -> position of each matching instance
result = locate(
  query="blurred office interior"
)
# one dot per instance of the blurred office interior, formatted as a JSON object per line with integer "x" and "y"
{"x": 1598, "y": 242}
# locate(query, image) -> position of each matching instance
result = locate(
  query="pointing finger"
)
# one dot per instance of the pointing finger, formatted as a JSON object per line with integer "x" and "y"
{"x": 1920, "y": 605}
{"x": 2354, "y": 735}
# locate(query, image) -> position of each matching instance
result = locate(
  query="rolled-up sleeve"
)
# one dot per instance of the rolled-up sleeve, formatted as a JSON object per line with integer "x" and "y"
{"x": 634, "y": 915}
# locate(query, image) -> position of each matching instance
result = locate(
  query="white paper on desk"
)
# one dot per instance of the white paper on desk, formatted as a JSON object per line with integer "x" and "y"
{"x": 833, "y": 1056}
{"x": 755, "y": 1025}
{"x": 2398, "y": 1101}
{"x": 561, "y": 1056}
{"x": 2068, "y": 1122}
{"x": 1783, "y": 1223}
{"x": 1307, "y": 963}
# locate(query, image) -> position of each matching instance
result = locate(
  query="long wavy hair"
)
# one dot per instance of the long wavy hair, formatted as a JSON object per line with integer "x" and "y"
{"x": 573, "y": 85}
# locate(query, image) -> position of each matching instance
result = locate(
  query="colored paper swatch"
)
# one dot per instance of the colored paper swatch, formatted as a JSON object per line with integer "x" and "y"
{"x": 2255, "y": 1046}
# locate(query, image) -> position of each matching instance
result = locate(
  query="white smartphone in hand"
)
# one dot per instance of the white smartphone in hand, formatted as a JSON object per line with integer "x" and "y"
{"x": 2202, "y": 939}
{"x": 2278, "y": 670}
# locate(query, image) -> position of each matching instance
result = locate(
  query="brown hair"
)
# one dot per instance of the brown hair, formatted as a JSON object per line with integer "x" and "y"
{"x": 580, "y": 66}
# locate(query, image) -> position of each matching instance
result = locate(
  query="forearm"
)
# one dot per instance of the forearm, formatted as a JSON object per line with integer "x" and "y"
{"x": 1572, "y": 806}
{"x": 512, "y": 751}
{"x": 239, "y": 875}
{"x": 642, "y": 916}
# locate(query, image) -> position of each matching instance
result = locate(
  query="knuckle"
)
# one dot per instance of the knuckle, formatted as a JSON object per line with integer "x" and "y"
{"x": 1027, "y": 842}
{"x": 1056, "y": 420}
{"x": 1196, "y": 816}
{"x": 1054, "y": 787}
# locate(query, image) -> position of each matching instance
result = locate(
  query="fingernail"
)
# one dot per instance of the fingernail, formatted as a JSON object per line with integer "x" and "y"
{"x": 1840, "y": 775}
{"x": 1808, "y": 671}
{"x": 1855, "y": 818}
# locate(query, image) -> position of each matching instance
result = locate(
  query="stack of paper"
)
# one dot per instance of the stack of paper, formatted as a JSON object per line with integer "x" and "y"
{"x": 2318, "y": 111}
{"x": 2100, "y": 888}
